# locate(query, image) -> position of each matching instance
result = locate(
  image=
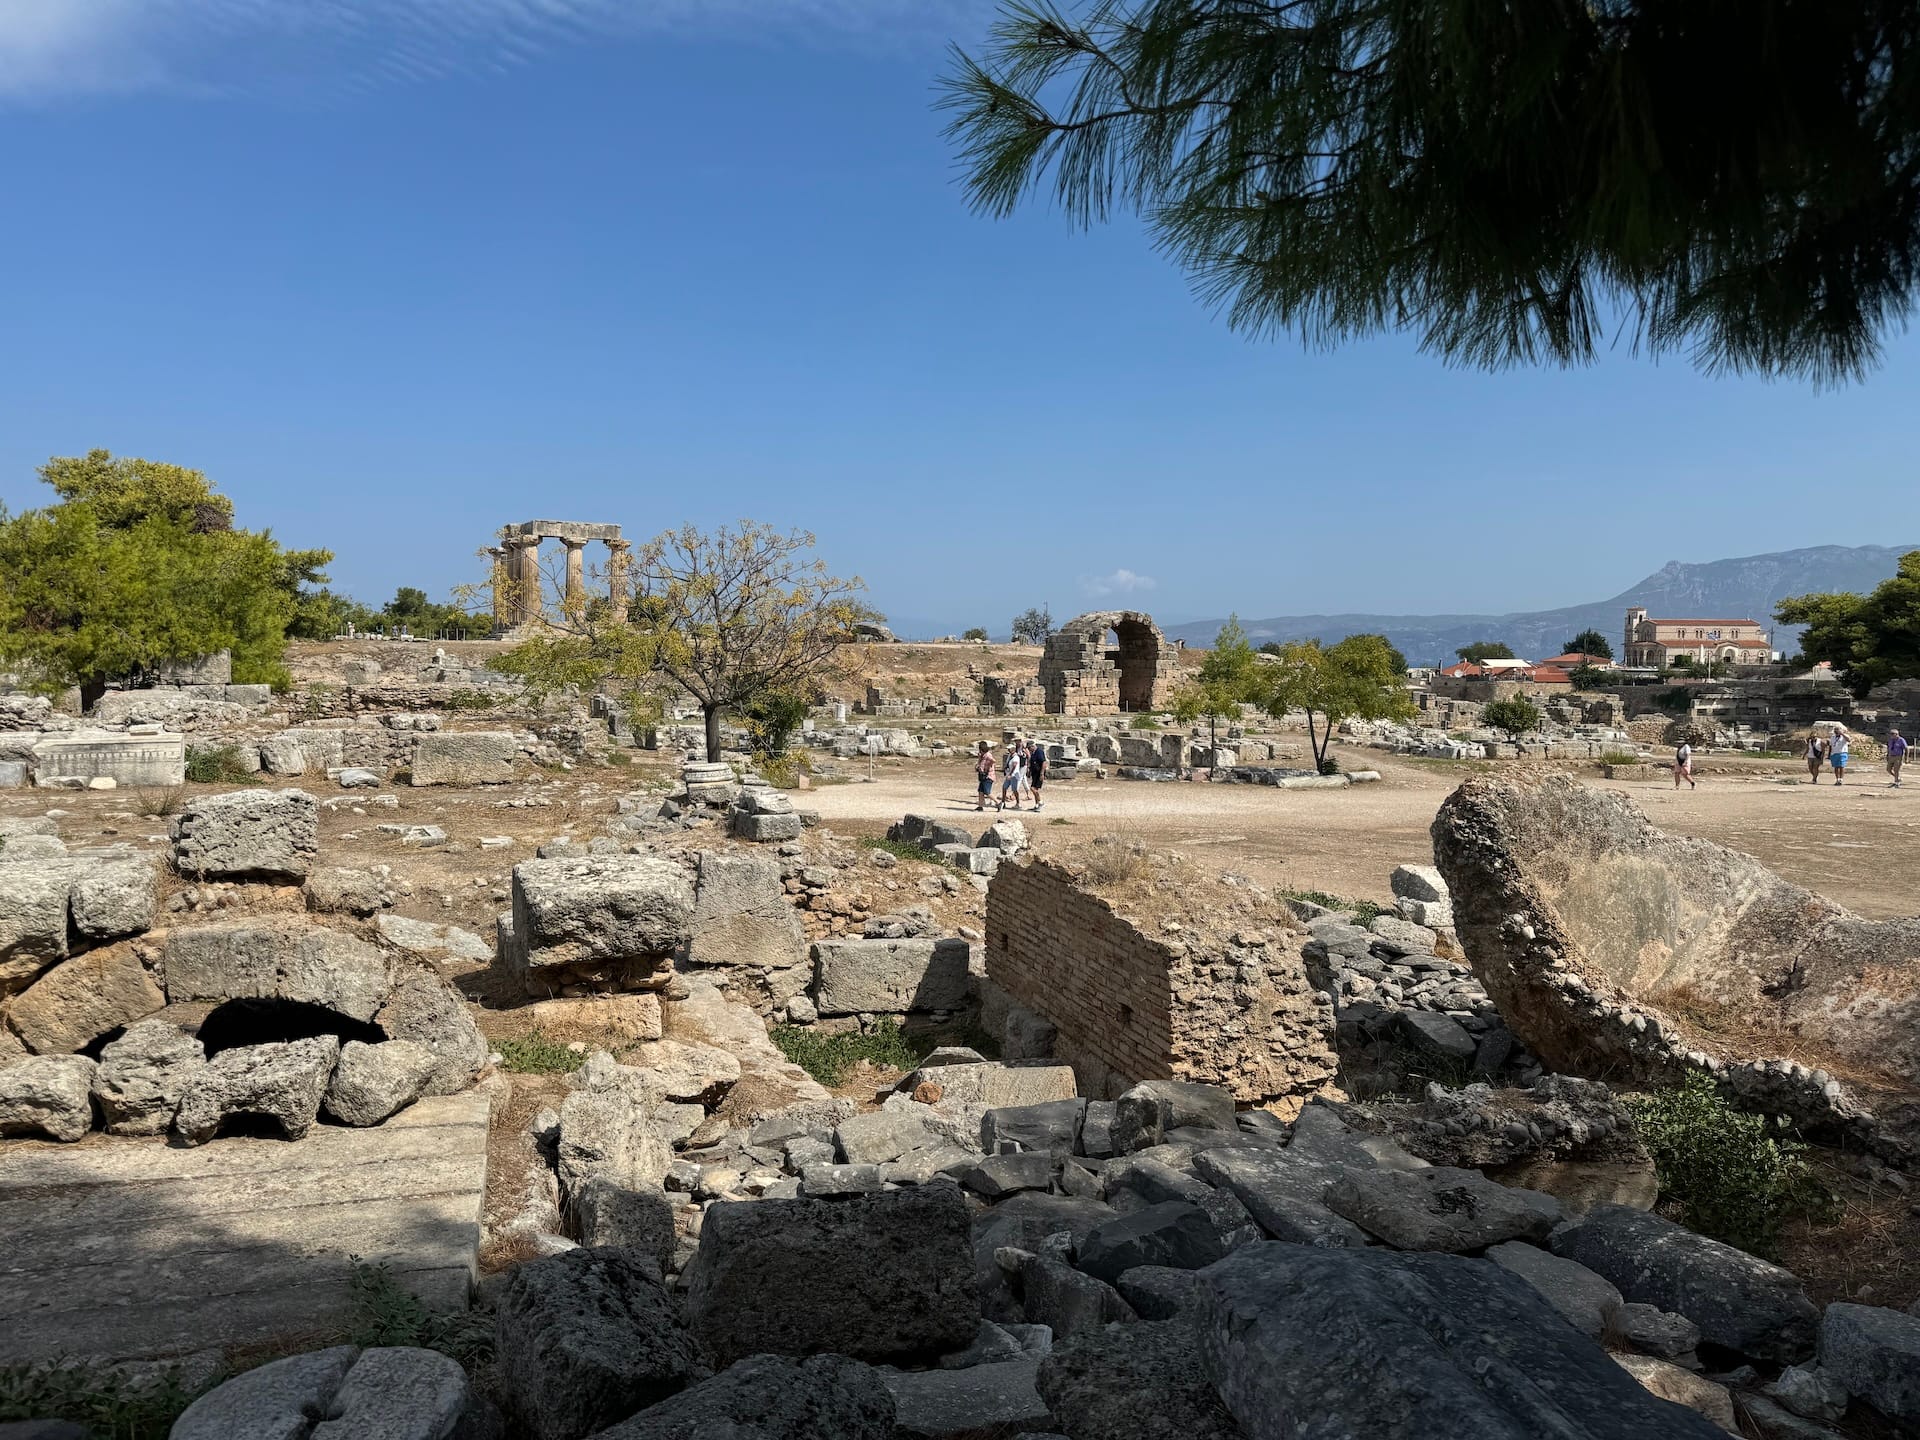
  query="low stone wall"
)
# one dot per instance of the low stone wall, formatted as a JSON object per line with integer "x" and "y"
{"x": 1127, "y": 1007}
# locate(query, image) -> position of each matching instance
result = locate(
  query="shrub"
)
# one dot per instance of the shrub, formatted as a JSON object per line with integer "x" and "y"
{"x": 1514, "y": 714}
{"x": 1619, "y": 757}
{"x": 155, "y": 804}
{"x": 783, "y": 772}
{"x": 831, "y": 1058}
{"x": 1731, "y": 1178}
{"x": 536, "y": 1054}
{"x": 976, "y": 633}
{"x": 905, "y": 849}
{"x": 106, "y": 1402}
{"x": 1143, "y": 722}
{"x": 1364, "y": 911}
{"x": 218, "y": 765}
{"x": 471, "y": 700}
{"x": 384, "y": 1313}
{"x": 1328, "y": 765}
{"x": 1111, "y": 860}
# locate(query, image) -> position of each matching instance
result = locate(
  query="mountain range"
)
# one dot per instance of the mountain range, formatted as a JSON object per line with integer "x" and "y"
{"x": 1741, "y": 589}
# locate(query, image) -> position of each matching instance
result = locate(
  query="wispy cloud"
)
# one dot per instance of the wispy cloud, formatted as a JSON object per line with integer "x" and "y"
{"x": 51, "y": 49}
{"x": 1120, "y": 582}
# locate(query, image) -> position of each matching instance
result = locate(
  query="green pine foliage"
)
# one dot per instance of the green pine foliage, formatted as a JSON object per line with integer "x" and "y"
{"x": 1869, "y": 639}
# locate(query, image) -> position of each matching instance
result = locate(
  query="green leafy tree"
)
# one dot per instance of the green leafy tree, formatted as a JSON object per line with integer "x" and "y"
{"x": 771, "y": 719}
{"x": 1483, "y": 650}
{"x": 1514, "y": 184}
{"x": 1355, "y": 679}
{"x": 1590, "y": 642}
{"x": 1868, "y": 639}
{"x": 410, "y": 608}
{"x": 1587, "y": 677}
{"x": 139, "y": 566}
{"x": 1230, "y": 676}
{"x": 1033, "y": 626}
{"x": 978, "y": 632}
{"x": 1514, "y": 714}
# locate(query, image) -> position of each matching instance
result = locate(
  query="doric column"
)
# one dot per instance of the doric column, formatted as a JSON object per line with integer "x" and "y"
{"x": 501, "y": 581}
{"x": 526, "y": 588}
{"x": 617, "y": 579}
{"x": 576, "y": 577}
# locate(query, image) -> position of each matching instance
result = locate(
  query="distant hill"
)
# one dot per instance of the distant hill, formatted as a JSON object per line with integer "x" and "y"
{"x": 1745, "y": 588}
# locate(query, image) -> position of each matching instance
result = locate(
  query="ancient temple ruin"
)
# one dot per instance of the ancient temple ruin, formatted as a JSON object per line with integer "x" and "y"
{"x": 517, "y": 599}
{"x": 1084, "y": 673}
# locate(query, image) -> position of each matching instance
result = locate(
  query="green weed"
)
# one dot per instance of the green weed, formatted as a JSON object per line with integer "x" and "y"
{"x": 831, "y": 1058}
{"x": 218, "y": 765}
{"x": 536, "y": 1054}
{"x": 111, "y": 1406}
{"x": 905, "y": 849}
{"x": 385, "y": 1313}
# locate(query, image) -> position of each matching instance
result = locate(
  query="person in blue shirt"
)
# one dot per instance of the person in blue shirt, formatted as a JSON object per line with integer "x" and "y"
{"x": 1896, "y": 756}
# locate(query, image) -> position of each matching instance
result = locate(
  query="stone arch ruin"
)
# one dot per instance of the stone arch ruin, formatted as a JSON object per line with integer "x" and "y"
{"x": 1083, "y": 674}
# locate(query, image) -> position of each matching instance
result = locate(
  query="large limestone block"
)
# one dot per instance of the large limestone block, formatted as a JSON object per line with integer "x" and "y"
{"x": 614, "y": 908}
{"x": 608, "y": 1129}
{"x": 283, "y": 1082}
{"x": 587, "y": 1338}
{"x": 282, "y": 960}
{"x": 890, "y": 977}
{"x": 142, "y": 1076}
{"x": 112, "y": 898}
{"x": 47, "y": 1095}
{"x": 1371, "y": 1343}
{"x": 880, "y": 1277}
{"x": 1570, "y": 905}
{"x": 84, "y": 998}
{"x": 766, "y": 1397}
{"x": 268, "y": 835}
{"x": 1441, "y": 1208}
{"x": 1586, "y": 1299}
{"x": 424, "y": 1010}
{"x": 464, "y": 757}
{"x": 392, "y": 1392}
{"x": 741, "y": 918}
{"x": 1739, "y": 1302}
{"x": 372, "y": 1082}
{"x": 33, "y": 919}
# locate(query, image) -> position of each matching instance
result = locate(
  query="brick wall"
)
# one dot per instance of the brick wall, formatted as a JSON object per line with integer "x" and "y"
{"x": 1128, "y": 1007}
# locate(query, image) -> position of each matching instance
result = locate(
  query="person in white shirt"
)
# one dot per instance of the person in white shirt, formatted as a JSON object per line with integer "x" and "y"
{"x": 1837, "y": 753}
{"x": 1683, "y": 766}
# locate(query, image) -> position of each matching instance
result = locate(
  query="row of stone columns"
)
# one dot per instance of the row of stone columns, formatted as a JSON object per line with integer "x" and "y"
{"x": 517, "y": 600}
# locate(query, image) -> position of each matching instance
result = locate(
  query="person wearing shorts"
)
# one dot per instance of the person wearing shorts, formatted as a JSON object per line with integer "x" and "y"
{"x": 1037, "y": 770}
{"x": 1683, "y": 766}
{"x": 1896, "y": 756}
{"x": 1011, "y": 769}
{"x": 1816, "y": 758}
{"x": 1837, "y": 753}
{"x": 983, "y": 773}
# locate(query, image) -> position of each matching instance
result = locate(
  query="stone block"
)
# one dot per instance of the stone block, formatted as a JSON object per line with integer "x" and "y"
{"x": 270, "y": 835}
{"x": 996, "y": 1398}
{"x": 283, "y": 1082}
{"x": 372, "y": 1082}
{"x": 464, "y": 757}
{"x": 423, "y": 1009}
{"x": 880, "y": 1277}
{"x": 606, "y": 909}
{"x": 1130, "y": 1382}
{"x": 891, "y": 977}
{"x": 129, "y": 760}
{"x": 990, "y": 1085}
{"x": 47, "y": 1095}
{"x": 1172, "y": 1234}
{"x": 765, "y": 829}
{"x": 252, "y": 960}
{"x": 1875, "y": 1353}
{"x": 607, "y": 1128}
{"x": 1584, "y": 1298}
{"x": 882, "y": 1135}
{"x": 82, "y": 999}
{"x": 640, "y": 1220}
{"x": 33, "y": 919}
{"x": 111, "y": 898}
{"x": 13, "y": 774}
{"x": 742, "y": 922}
{"x": 1053, "y": 1127}
{"x": 767, "y": 1397}
{"x": 142, "y": 1076}
{"x": 1419, "y": 882}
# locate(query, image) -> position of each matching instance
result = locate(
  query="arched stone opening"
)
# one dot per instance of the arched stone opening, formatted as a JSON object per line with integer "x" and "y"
{"x": 239, "y": 1023}
{"x": 1106, "y": 661}
{"x": 1137, "y": 654}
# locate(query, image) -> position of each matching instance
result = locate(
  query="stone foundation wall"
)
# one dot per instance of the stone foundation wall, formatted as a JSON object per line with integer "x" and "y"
{"x": 1127, "y": 1007}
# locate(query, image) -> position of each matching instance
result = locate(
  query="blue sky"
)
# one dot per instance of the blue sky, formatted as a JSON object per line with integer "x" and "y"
{"x": 395, "y": 272}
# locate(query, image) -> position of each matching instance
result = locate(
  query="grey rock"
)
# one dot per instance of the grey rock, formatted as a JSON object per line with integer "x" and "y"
{"x": 33, "y": 919}
{"x": 464, "y": 757}
{"x": 111, "y": 898}
{"x": 767, "y": 1397}
{"x": 357, "y": 777}
{"x": 1096, "y": 1129}
{"x": 142, "y": 1076}
{"x": 1441, "y": 1208}
{"x": 400, "y": 1393}
{"x": 1024, "y": 1222}
{"x": 372, "y": 1082}
{"x": 1766, "y": 1418}
{"x": 1140, "y": 1181}
{"x": 1174, "y": 1234}
{"x": 275, "y": 1401}
{"x": 890, "y": 977}
{"x": 1401, "y": 937}
{"x": 997, "y": 1398}
{"x": 1739, "y": 1302}
{"x": 1068, "y": 1301}
{"x": 1682, "y": 1387}
{"x": 584, "y": 1339}
{"x": 998, "y": 1176}
{"x": 47, "y": 1095}
{"x": 607, "y": 1128}
{"x": 883, "y": 1277}
{"x": 1810, "y": 1391}
{"x": 1283, "y": 1193}
{"x": 922, "y": 1167}
{"x": 270, "y": 835}
{"x": 640, "y": 1220}
{"x": 1584, "y": 1298}
{"x": 424, "y": 1009}
{"x": 602, "y": 909}
{"x": 1436, "y": 1036}
{"x": 1157, "y": 1292}
{"x": 1135, "y": 1382}
{"x": 35, "y": 1429}
{"x": 881, "y": 1135}
{"x": 338, "y": 890}
{"x": 284, "y": 1082}
{"x": 826, "y": 1182}
{"x": 252, "y": 960}
{"x": 1420, "y": 882}
{"x": 85, "y": 998}
{"x": 991, "y": 1344}
{"x": 1145, "y": 1113}
{"x": 1053, "y": 1127}
{"x": 742, "y": 921}
{"x": 1875, "y": 1353}
{"x": 433, "y": 940}
{"x": 1653, "y": 1331}
{"x": 1345, "y": 1344}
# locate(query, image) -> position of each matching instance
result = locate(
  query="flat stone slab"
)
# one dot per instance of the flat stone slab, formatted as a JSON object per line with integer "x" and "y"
{"x": 124, "y": 1248}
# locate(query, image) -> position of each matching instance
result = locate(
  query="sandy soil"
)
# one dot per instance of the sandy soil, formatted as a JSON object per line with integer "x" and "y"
{"x": 1856, "y": 843}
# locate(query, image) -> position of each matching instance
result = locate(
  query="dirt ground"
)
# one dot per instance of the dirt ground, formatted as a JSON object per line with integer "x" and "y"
{"x": 1855, "y": 843}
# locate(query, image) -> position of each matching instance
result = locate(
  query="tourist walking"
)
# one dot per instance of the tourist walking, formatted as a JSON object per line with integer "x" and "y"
{"x": 1023, "y": 757}
{"x": 983, "y": 773}
{"x": 1036, "y": 770}
{"x": 1837, "y": 753}
{"x": 1683, "y": 766}
{"x": 1896, "y": 756}
{"x": 1816, "y": 757}
{"x": 1012, "y": 767}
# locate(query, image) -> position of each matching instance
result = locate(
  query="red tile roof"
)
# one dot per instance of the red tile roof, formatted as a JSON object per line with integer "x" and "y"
{"x": 1575, "y": 658}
